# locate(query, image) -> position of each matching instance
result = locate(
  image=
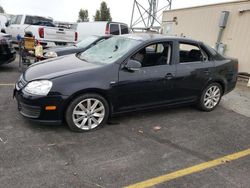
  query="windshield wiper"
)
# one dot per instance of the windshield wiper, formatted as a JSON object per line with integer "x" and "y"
{"x": 116, "y": 48}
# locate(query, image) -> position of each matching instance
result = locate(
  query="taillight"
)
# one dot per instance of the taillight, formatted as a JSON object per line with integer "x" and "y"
{"x": 107, "y": 30}
{"x": 236, "y": 66}
{"x": 76, "y": 36}
{"x": 41, "y": 32}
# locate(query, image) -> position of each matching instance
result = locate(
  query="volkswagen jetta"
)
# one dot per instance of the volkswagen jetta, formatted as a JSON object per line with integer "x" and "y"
{"x": 121, "y": 74}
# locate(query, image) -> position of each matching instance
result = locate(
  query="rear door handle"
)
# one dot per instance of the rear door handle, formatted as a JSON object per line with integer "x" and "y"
{"x": 169, "y": 76}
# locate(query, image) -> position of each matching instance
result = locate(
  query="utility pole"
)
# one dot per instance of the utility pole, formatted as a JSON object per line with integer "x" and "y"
{"x": 149, "y": 14}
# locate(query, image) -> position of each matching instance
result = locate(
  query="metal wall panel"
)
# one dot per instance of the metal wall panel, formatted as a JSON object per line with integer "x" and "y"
{"x": 202, "y": 23}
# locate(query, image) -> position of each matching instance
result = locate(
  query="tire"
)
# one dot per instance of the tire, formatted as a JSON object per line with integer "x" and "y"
{"x": 87, "y": 112}
{"x": 210, "y": 97}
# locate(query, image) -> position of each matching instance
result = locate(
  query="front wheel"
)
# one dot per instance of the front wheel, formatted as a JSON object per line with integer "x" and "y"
{"x": 87, "y": 112}
{"x": 210, "y": 97}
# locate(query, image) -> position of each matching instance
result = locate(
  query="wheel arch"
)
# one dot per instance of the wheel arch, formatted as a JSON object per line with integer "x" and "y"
{"x": 222, "y": 84}
{"x": 218, "y": 81}
{"x": 85, "y": 91}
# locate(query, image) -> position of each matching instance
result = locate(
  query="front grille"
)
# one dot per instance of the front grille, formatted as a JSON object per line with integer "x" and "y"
{"x": 29, "y": 111}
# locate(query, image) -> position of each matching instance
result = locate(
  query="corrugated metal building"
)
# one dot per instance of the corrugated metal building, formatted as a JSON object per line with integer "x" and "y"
{"x": 202, "y": 23}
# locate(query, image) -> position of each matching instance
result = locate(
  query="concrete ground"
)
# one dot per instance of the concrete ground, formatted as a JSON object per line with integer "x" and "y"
{"x": 132, "y": 149}
{"x": 238, "y": 100}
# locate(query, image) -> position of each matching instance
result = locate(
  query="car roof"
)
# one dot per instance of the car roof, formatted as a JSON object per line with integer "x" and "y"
{"x": 153, "y": 36}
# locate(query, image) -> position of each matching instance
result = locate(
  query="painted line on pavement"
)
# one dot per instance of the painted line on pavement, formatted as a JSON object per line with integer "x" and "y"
{"x": 190, "y": 170}
{"x": 7, "y": 84}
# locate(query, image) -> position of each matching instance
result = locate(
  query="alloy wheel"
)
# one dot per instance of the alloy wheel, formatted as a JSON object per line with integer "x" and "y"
{"x": 212, "y": 97}
{"x": 88, "y": 113}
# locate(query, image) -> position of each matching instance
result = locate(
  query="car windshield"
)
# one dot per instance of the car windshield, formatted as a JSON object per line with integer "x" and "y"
{"x": 86, "y": 41}
{"x": 109, "y": 50}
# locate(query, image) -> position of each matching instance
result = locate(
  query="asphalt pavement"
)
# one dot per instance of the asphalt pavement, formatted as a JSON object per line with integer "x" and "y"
{"x": 132, "y": 148}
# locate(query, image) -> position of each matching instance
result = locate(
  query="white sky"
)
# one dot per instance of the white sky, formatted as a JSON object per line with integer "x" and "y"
{"x": 67, "y": 10}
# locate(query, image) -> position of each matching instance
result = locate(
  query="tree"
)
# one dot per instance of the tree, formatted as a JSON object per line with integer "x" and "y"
{"x": 97, "y": 16}
{"x": 1, "y": 9}
{"x": 103, "y": 14}
{"x": 83, "y": 15}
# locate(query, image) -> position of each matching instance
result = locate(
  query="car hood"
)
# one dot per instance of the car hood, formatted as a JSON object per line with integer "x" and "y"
{"x": 57, "y": 67}
{"x": 56, "y": 49}
{"x": 64, "y": 50}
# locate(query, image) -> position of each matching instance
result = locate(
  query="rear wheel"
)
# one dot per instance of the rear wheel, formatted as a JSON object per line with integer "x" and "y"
{"x": 210, "y": 97}
{"x": 87, "y": 112}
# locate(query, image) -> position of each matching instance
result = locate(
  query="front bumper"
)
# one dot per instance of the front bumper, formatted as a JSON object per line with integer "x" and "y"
{"x": 34, "y": 107}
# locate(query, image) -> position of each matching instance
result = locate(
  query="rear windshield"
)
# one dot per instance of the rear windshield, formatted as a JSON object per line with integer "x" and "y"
{"x": 210, "y": 49}
{"x": 16, "y": 19}
{"x": 36, "y": 20}
{"x": 114, "y": 29}
{"x": 214, "y": 53}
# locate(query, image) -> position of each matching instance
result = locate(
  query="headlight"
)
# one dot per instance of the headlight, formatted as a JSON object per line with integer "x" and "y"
{"x": 40, "y": 87}
{"x": 50, "y": 54}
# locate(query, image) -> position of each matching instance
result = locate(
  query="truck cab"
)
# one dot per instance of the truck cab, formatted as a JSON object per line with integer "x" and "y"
{"x": 42, "y": 28}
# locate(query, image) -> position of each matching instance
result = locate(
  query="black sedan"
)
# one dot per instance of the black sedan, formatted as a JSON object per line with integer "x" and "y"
{"x": 81, "y": 46}
{"x": 122, "y": 74}
{"x": 7, "y": 52}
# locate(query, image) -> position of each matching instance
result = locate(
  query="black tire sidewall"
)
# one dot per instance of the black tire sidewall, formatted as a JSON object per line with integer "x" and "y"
{"x": 74, "y": 102}
{"x": 201, "y": 101}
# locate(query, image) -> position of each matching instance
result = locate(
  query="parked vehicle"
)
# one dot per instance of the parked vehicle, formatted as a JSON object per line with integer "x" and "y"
{"x": 7, "y": 52}
{"x": 42, "y": 28}
{"x": 81, "y": 46}
{"x": 100, "y": 28}
{"x": 67, "y": 25}
{"x": 122, "y": 74}
{"x": 3, "y": 20}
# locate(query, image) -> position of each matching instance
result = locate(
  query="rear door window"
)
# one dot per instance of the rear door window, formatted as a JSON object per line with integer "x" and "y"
{"x": 124, "y": 29}
{"x": 114, "y": 29}
{"x": 16, "y": 19}
{"x": 191, "y": 53}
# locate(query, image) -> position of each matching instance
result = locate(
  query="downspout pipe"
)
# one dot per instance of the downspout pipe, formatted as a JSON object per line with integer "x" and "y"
{"x": 222, "y": 26}
{"x": 218, "y": 41}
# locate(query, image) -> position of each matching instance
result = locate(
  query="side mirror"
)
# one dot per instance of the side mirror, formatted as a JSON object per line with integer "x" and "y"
{"x": 133, "y": 65}
{"x": 7, "y": 23}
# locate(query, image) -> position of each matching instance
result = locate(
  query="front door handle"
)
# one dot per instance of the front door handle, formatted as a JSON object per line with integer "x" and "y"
{"x": 169, "y": 76}
{"x": 206, "y": 72}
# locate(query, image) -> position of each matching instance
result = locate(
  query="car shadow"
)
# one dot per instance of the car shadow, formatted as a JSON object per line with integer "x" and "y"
{"x": 152, "y": 113}
{"x": 45, "y": 127}
{"x": 8, "y": 68}
{"x": 12, "y": 66}
{"x": 117, "y": 119}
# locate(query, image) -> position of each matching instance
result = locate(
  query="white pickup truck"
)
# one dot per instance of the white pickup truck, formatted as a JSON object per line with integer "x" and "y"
{"x": 42, "y": 28}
